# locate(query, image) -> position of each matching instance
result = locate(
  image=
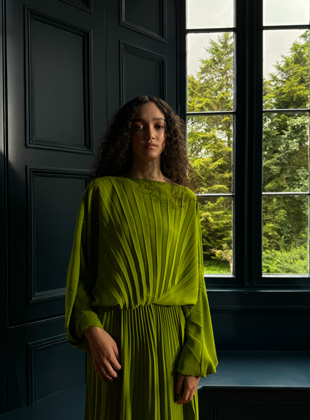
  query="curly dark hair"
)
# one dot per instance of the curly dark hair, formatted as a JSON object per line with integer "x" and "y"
{"x": 114, "y": 155}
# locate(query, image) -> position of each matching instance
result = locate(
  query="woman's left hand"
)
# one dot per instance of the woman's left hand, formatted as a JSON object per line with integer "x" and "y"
{"x": 186, "y": 387}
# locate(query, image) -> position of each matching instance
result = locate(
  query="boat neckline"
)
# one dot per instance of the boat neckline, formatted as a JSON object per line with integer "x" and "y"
{"x": 142, "y": 179}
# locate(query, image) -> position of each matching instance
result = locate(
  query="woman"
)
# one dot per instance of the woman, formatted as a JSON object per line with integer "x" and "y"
{"x": 136, "y": 299}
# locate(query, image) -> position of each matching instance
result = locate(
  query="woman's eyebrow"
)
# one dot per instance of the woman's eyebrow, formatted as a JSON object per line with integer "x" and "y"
{"x": 141, "y": 119}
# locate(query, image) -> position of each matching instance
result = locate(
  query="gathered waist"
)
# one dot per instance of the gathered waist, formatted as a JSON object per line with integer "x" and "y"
{"x": 100, "y": 310}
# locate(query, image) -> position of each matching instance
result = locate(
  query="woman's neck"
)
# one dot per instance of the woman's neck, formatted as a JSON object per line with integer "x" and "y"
{"x": 146, "y": 172}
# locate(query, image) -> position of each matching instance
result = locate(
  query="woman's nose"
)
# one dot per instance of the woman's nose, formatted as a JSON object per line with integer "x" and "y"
{"x": 150, "y": 132}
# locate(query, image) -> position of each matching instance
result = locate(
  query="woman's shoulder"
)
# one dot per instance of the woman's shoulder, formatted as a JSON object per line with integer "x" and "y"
{"x": 100, "y": 182}
{"x": 190, "y": 192}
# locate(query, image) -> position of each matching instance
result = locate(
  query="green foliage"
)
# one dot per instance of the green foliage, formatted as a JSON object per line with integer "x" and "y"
{"x": 216, "y": 224}
{"x": 292, "y": 261}
{"x": 216, "y": 267}
{"x": 224, "y": 254}
{"x": 285, "y": 152}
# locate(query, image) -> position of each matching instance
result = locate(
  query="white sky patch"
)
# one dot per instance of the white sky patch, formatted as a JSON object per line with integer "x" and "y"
{"x": 209, "y": 14}
{"x": 286, "y": 12}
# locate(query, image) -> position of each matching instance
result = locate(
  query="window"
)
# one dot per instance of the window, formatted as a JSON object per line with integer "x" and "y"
{"x": 246, "y": 105}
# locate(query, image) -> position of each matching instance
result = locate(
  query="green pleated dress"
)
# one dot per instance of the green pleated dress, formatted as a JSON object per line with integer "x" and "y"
{"x": 136, "y": 270}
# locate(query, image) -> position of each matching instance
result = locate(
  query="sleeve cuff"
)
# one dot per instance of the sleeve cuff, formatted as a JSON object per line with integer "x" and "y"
{"x": 89, "y": 319}
{"x": 191, "y": 363}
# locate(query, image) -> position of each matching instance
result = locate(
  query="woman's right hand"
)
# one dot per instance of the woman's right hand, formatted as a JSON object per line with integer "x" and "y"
{"x": 104, "y": 353}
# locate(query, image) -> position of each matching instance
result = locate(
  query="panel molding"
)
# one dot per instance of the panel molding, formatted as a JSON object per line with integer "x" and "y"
{"x": 148, "y": 55}
{"x": 33, "y": 295}
{"x": 86, "y": 5}
{"x": 127, "y": 24}
{"x": 34, "y": 347}
{"x": 37, "y": 323}
{"x": 87, "y": 36}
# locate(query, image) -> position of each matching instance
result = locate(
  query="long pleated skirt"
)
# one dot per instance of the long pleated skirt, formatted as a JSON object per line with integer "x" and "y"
{"x": 150, "y": 339}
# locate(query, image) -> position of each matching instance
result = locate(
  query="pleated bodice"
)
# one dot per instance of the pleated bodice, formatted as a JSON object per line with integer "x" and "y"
{"x": 147, "y": 247}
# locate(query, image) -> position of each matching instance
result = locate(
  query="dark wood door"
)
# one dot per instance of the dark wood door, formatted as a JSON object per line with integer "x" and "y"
{"x": 69, "y": 65}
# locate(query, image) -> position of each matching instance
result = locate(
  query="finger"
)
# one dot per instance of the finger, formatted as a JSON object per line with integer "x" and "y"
{"x": 109, "y": 371}
{"x": 180, "y": 383}
{"x": 192, "y": 395}
{"x": 116, "y": 352}
{"x": 185, "y": 397}
{"x": 102, "y": 373}
{"x": 107, "y": 378}
{"x": 115, "y": 363}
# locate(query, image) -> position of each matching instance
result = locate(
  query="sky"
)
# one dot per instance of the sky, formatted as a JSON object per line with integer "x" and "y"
{"x": 219, "y": 13}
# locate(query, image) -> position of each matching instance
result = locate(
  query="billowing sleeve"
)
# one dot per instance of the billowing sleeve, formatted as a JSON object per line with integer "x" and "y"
{"x": 198, "y": 356}
{"x": 81, "y": 275}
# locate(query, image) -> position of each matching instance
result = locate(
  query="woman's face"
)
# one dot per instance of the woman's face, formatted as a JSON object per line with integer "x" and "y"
{"x": 148, "y": 132}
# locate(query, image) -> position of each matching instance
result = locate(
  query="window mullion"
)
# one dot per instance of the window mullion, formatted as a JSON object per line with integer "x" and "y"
{"x": 254, "y": 128}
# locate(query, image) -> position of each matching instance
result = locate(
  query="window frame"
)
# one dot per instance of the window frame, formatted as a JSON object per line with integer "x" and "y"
{"x": 248, "y": 283}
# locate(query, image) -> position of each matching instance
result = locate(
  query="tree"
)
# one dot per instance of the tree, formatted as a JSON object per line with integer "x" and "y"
{"x": 285, "y": 150}
{"x": 285, "y": 146}
{"x": 210, "y": 140}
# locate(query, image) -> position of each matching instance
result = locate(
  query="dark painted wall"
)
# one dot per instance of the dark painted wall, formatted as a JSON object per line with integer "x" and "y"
{"x": 67, "y": 66}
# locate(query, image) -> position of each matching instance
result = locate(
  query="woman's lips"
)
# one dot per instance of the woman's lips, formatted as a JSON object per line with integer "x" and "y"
{"x": 150, "y": 146}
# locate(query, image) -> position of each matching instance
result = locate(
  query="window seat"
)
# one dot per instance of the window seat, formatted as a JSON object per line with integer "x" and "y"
{"x": 260, "y": 369}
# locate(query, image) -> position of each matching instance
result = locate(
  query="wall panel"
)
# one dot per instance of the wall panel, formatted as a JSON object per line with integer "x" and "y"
{"x": 154, "y": 26}
{"x": 54, "y": 366}
{"x": 58, "y": 84}
{"x": 41, "y": 362}
{"x": 53, "y": 200}
{"x": 142, "y": 73}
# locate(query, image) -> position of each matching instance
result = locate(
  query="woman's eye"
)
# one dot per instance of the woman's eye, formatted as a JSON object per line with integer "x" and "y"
{"x": 160, "y": 127}
{"x": 138, "y": 127}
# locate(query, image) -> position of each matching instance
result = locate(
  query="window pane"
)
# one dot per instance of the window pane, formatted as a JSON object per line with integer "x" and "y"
{"x": 210, "y": 69}
{"x": 288, "y": 12}
{"x": 286, "y": 69}
{"x": 286, "y": 152}
{"x": 210, "y": 149}
{"x": 216, "y": 223}
{"x": 285, "y": 235}
{"x": 209, "y": 14}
